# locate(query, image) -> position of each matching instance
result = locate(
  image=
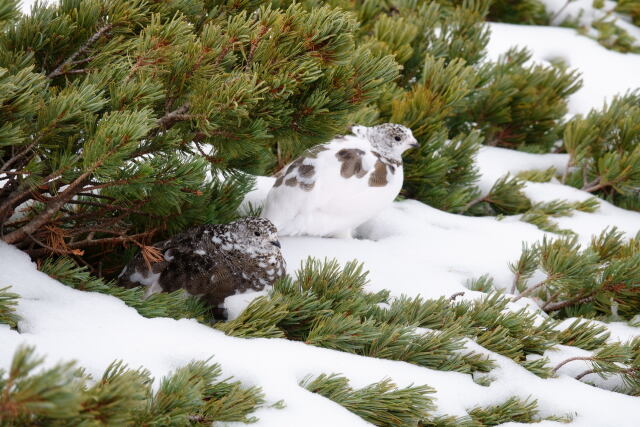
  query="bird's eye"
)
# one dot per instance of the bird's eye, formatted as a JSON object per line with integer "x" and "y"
{"x": 397, "y": 138}
{"x": 257, "y": 233}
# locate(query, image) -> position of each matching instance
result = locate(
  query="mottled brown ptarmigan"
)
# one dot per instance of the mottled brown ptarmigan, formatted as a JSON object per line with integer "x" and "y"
{"x": 335, "y": 187}
{"x": 212, "y": 261}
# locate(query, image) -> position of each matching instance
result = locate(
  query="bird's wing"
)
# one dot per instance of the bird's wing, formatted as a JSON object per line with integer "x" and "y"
{"x": 191, "y": 262}
{"x": 332, "y": 177}
{"x": 198, "y": 270}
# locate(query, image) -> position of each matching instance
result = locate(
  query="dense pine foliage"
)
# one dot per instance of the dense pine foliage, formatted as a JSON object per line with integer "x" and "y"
{"x": 114, "y": 112}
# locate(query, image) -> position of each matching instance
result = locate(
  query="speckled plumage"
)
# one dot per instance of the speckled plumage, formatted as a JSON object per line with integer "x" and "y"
{"x": 213, "y": 261}
{"x": 334, "y": 187}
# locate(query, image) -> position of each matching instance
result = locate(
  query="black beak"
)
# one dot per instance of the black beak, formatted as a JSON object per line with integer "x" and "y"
{"x": 415, "y": 144}
{"x": 276, "y": 243}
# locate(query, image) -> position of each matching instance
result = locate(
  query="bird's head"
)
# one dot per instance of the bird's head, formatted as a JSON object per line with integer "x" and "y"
{"x": 390, "y": 139}
{"x": 256, "y": 234}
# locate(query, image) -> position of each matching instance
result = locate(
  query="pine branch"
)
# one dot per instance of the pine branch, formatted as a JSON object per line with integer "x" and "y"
{"x": 514, "y": 409}
{"x": 56, "y": 203}
{"x": 585, "y": 373}
{"x": 91, "y": 241}
{"x": 571, "y": 359}
{"x": 51, "y": 209}
{"x": 327, "y": 307}
{"x": 583, "y": 334}
{"x": 60, "y": 69}
{"x": 8, "y": 303}
{"x": 169, "y": 119}
{"x": 382, "y": 403}
{"x": 64, "y": 395}
{"x": 5, "y": 167}
{"x": 531, "y": 289}
{"x": 474, "y": 202}
{"x": 550, "y": 306}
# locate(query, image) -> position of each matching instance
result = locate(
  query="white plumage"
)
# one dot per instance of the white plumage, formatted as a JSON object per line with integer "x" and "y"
{"x": 335, "y": 187}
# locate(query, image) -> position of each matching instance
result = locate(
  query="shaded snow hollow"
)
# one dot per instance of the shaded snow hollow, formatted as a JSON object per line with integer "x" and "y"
{"x": 410, "y": 248}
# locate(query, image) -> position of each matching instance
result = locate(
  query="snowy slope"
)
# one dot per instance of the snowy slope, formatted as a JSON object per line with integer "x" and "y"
{"x": 605, "y": 73}
{"x": 409, "y": 249}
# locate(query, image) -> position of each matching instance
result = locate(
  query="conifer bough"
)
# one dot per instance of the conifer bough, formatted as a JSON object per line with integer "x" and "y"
{"x": 65, "y": 395}
{"x": 111, "y": 113}
{"x": 600, "y": 279}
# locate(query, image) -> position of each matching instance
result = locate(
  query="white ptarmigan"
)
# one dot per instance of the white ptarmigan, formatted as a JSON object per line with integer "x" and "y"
{"x": 333, "y": 188}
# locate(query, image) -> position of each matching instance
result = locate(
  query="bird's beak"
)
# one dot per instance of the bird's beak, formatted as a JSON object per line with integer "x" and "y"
{"x": 275, "y": 243}
{"x": 414, "y": 144}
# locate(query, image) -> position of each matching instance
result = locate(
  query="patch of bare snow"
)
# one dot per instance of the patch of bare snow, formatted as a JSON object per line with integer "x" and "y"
{"x": 605, "y": 73}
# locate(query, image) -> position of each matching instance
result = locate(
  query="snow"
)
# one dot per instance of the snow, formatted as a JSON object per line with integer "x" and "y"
{"x": 605, "y": 73}
{"x": 583, "y": 223}
{"x": 495, "y": 162}
{"x": 234, "y": 305}
{"x": 410, "y": 248}
{"x": 25, "y": 5}
{"x": 586, "y": 14}
{"x": 65, "y": 323}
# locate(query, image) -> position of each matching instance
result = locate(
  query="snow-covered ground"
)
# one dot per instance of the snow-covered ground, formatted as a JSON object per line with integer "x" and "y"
{"x": 410, "y": 249}
{"x": 605, "y": 73}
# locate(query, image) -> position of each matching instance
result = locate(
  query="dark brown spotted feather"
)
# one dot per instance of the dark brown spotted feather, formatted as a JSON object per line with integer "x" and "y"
{"x": 214, "y": 261}
{"x": 378, "y": 177}
{"x": 306, "y": 171}
{"x": 297, "y": 168}
{"x": 351, "y": 159}
{"x": 291, "y": 182}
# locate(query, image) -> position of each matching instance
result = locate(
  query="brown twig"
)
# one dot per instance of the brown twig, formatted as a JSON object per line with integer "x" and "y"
{"x": 571, "y": 359}
{"x": 585, "y": 373}
{"x": 516, "y": 279}
{"x": 565, "y": 174}
{"x": 530, "y": 290}
{"x": 80, "y": 71}
{"x": 54, "y": 250}
{"x": 594, "y": 185}
{"x": 83, "y": 49}
{"x": 474, "y": 202}
{"x": 254, "y": 46}
{"x": 595, "y": 371}
{"x": 8, "y": 206}
{"x": 169, "y": 119}
{"x": 456, "y": 295}
{"x": 19, "y": 197}
{"x": 98, "y": 196}
{"x": 54, "y": 204}
{"x": 548, "y": 307}
{"x": 94, "y": 242}
{"x": 18, "y": 156}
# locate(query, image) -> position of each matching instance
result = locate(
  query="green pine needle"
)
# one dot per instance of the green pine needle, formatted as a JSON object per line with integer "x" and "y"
{"x": 381, "y": 403}
{"x": 62, "y": 394}
{"x": 8, "y": 303}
